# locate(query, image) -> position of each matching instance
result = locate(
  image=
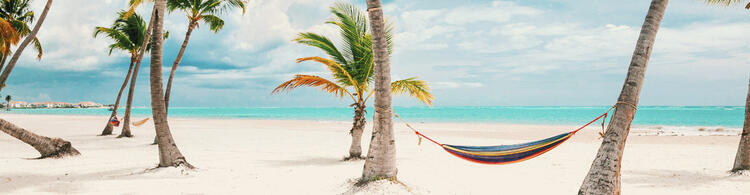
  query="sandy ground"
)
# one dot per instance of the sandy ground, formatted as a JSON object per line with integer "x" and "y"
{"x": 304, "y": 157}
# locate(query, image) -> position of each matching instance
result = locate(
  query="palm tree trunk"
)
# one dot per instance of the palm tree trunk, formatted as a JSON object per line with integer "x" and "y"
{"x": 381, "y": 156}
{"x": 169, "y": 154}
{"x": 604, "y": 175}
{"x": 128, "y": 105}
{"x": 177, "y": 63}
{"x": 139, "y": 58}
{"x": 742, "y": 161}
{"x": 3, "y": 58}
{"x": 108, "y": 128}
{"x": 47, "y": 147}
{"x": 358, "y": 126}
{"x": 6, "y": 73}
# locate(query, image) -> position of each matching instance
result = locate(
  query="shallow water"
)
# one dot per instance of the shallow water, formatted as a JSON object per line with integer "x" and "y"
{"x": 652, "y": 116}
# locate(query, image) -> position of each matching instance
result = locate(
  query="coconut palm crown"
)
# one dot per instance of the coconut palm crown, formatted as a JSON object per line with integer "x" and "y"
{"x": 127, "y": 33}
{"x": 19, "y": 14}
{"x": 205, "y": 10}
{"x": 351, "y": 62}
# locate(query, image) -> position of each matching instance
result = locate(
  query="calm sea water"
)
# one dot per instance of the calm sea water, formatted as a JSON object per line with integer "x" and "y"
{"x": 675, "y": 116}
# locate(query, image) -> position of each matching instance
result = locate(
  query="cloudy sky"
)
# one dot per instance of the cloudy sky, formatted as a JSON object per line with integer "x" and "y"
{"x": 472, "y": 52}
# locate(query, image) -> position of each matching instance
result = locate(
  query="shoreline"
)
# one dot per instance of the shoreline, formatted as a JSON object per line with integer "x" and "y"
{"x": 637, "y": 130}
{"x": 267, "y": 156}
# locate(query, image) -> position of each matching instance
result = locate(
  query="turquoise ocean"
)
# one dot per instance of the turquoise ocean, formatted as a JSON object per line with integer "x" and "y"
{"x": 657, "y": 116}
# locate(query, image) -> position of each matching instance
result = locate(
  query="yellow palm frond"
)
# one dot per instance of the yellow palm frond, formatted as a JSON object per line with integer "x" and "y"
{"x": 334, "y": 67}
{"x": 8, "y": 36}
{"x": 132, "y": 5}
{"x": 312, "y": 81}
{"x": 413, "y": 87}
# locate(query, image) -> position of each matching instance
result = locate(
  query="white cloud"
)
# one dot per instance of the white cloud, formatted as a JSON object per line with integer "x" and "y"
{"x": 453, "y": 84}
{"x": 499, "y": 11}
{"x": 66, "y": 36}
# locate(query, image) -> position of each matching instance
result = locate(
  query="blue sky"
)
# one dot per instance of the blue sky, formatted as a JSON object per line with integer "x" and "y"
{"x": 490, "y": 53}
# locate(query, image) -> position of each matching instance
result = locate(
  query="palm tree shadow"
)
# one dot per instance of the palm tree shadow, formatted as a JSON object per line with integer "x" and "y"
{"x": 16, "y": 181}
{"x": 668, "y": 178}
{"x": 315, "y": 161}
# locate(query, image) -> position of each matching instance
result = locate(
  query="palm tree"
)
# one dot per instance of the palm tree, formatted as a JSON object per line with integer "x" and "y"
{"x": 19, "y": 14}
{"x": 351, "y": 67}
{"x": 7, "y": 100}
{"x": 133, "y": 4}
{"x": 742, "y": 159}
{"x": 381, "y": 156}
{"x": 128, "y": 106}
{"x": 127, "y": 34}
{"x": 169, "y": 154}
{"x": 47, "y": 147}
{"x": 604, "y": 175}
{"x": 196, "y": 11}
{"x": 8, "y": 36}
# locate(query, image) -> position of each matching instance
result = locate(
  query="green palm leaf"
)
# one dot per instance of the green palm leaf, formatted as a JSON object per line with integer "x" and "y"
{"x": 413, "y": 87}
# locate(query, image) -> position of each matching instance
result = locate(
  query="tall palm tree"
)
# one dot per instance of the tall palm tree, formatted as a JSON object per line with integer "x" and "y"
{"x": 19, "y": 14}
{"x": 128, "y": 35}
{"x": 169, "y": 154}
{"x": 133, "y": 4}
{"x": 197, "y": 11}
{"x": 47, "y": 147}
{"x": 129, "y": 105}
{"x": 604, "y": 175}
{"x": 742, "y": 159}
{"x": 381, "y": 156}
{"x": 351, "y": 67}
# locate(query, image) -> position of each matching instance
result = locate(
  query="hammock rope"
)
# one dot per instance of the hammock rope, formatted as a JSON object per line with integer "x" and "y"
{"x": 506, "y": 154}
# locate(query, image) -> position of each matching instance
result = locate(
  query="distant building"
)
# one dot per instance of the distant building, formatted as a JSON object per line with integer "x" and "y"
{"x": 88, "y": 104}
{"x": 19, "y": 104}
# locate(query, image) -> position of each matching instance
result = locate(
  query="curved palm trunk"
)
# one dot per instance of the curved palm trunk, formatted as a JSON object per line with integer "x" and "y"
{"x": 177, "y": 63}
{"x": 604, "y": 175}
{"x": 128, "y": 107}
{"x": 169, "y": 154}
{"x": 47, "y": 147}
{"x": 381, "y": 156}
{"x": 6, "y": 73}
{"x": 358, "y": 126}
{"x": 742, "y": 161}
{"x": 108, "y": 128}
{"x": 126, "y": 117}
{"x": 3, "y": 58}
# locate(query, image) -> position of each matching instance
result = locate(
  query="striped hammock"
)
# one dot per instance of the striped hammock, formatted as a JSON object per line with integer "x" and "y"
{"x": 141, "y": 122}
{"x": 506, "y": 154}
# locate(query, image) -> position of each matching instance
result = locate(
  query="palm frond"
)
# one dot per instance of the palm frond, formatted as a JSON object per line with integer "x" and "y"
{"x": 341, "y": 75}
{"x": 214, "y": 22}
{"x": 132, "y": 5}
{"x": 723, "y": 2}
{"x": 312, "y": 81}
{"x": 322, "y": 43}
{"x": 117, "y": 36}
{"x": 413, "y": 87}
{"x": 38, "y": 47}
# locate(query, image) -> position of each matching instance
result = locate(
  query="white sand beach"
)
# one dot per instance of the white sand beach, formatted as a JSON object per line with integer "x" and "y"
{"x": 236, "y": 156}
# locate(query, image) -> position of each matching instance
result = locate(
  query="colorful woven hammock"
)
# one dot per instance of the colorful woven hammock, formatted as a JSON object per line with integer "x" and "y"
{"x": 505, "y": 154}
{"x": 114, "y": 122}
